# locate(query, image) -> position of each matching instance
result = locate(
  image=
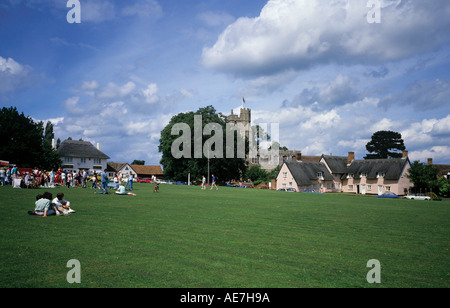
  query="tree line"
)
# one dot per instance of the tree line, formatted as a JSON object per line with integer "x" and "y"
{"x": 26, "y": 143}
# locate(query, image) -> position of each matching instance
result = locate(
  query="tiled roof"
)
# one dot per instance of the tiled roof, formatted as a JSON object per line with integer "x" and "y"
{"x": 148, "y": 170}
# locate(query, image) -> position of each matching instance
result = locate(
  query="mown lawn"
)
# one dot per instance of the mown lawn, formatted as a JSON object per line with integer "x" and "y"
{"x": 239, "y": 238}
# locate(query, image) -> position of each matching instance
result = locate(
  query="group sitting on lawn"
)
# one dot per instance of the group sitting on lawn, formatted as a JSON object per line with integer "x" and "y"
{"x": 47, "y": 206}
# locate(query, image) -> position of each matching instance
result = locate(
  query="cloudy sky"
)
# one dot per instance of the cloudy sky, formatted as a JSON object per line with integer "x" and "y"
{"x": 327, "y": 71}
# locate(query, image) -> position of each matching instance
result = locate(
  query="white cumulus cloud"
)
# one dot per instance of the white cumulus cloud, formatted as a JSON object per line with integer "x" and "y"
{"x": 298, "y": 34}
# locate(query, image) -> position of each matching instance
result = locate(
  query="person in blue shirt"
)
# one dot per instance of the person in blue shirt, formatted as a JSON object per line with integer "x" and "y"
{"x": 214, "y": 182}
{"x": 43, "y": 205}
{"x": 105, "y": 182}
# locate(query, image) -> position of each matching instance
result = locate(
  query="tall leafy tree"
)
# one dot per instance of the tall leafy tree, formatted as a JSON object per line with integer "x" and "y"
{"x": 385, "y": 144}
{"x": 50, "y": 159}
{"x": 22, "y": 141}
{"x": 197, "y": 165}
{"x": 20, "y": 138}
{"x": 138, "y": 162}
{"x": 423, "y": 176}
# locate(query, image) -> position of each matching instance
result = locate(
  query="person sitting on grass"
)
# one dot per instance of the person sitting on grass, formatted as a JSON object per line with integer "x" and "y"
{"x": 62, "y": 206}
{"x": 121, "y": 191}
{"x": 43, "y": 205}
{"x": 156, "y": 188}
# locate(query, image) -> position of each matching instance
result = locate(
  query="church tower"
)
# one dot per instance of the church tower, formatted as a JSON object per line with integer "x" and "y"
{"x": 244, "y": 119}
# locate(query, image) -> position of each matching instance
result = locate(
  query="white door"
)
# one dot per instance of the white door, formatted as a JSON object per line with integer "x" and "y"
{"x": 363, "y": 189}
{"x": 380, "y": 189}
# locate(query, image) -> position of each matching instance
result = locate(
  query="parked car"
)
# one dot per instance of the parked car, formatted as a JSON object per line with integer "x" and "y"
{"x": 388, "y": 194}
{"x": 246, "y": 186}
{"x": 144, "y": 180}
{"x": 417, "y": 197}
{"x": 287, "y": 189}
{"x": 311, "y": 191}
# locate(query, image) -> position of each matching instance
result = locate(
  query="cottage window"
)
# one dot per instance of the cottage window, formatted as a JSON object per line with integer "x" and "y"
{"x": 83, "y": 160}
{"x": 350, "y": 187}
{"x": 363, "y": 174}
{"x": 67, "y": 159}
{"x": 388, "y": 188}
{"x": 320, "y": 175}
{"x": 380, "y": 175}
{"x": 284, "y": 175}
{"x": 97, "y": 161}
{"x": 369, "y": 187}
{"x": 350, "y": 176}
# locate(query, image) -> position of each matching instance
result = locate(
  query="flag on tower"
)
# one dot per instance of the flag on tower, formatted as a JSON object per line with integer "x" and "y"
{"x": 243, "y": 100}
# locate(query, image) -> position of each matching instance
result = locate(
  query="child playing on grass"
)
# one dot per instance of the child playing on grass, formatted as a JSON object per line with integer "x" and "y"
{"x": 62, "y": 206}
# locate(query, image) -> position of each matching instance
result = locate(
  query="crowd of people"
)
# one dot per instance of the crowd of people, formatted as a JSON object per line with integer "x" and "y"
{"x": 45, "y": 204}
{"x": 35, "y": 178}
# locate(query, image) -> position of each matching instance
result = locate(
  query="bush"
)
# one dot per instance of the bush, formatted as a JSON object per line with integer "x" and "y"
{"x": 433, "y": 196}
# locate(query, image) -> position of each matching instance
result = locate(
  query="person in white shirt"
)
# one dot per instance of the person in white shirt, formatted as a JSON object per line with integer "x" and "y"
{"x": 2, "y": 176}
{"x": 121, "y": 191}
{"x": 62, "y": 206}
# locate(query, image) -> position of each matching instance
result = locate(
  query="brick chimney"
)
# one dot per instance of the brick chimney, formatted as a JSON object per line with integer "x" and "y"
{"x": 430, "y": 161}
{"x": 405, "y": 154}
{"x": 299, "y": 156}
{"x": 351, "y": 157}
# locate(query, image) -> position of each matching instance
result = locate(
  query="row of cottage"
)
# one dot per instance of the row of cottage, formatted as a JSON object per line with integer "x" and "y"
{"x": 329, "y": 173}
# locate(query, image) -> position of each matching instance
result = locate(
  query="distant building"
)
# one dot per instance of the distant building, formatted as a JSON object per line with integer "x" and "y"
{"x": 443, "y": 170}
{"x": 345, "y": 174}
{"x": 245, "y": 117}
{"x": 125, "y": 169}
{"x": 148, "y": 171}
{"x": 265, "y": 158}
{"x": 82, "y": 155}
{"x": 141, "y": 171}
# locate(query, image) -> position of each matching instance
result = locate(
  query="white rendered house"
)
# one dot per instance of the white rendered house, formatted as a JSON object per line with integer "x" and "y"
{"x": 82, "y": 155}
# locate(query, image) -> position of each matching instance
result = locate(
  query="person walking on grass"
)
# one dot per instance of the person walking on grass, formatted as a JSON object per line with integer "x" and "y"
{"x": 203, "y": 183}
{"x": 214, "y": 182}
{"x": 104, "y": 182}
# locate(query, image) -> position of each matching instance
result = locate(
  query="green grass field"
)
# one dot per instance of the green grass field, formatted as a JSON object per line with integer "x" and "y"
{"x": 239, "y": 238}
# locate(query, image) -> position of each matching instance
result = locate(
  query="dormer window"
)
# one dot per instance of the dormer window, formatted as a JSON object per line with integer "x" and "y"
{"x": 363, "y": 174}
{"x": 350, "y": 176}
{"x": 380, "y": 174}
{"x": 320, "y": 175}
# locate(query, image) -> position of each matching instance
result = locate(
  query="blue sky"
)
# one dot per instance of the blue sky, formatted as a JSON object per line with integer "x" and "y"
{"x": 318, "y": 68}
